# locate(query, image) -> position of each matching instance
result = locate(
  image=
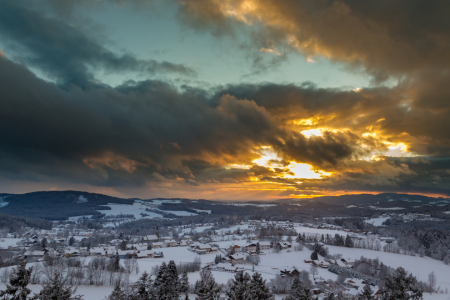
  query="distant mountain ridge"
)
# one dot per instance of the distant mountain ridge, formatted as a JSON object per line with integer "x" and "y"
{"x": 60, "y": 205}
{"x": 374, "y": 199}
{"x": 57, "y": 205}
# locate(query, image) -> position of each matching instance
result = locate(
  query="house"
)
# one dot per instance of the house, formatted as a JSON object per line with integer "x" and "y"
{"x": 348, "y": 262}
{"x": 290, "y": 272}
{"x": 125, "y": 254}
{"x": 237, "y": 249}
{"x": 221, "y": 266}
{"x": 144, "y": 254}
{"x": 251, "y": 248}
{"x": 284, "y": 245}
{"x": 35, "y": 254}
{"x": 354, "y": 283}
{"x": 158, "y": 254}
{"x": 204, "y": 248}
{"x": 264, "y": 246}
{"x": 170, "y": 243}
{"x": 150, "y": 238}
{"x": 236, "y": 258}
{"x": 158, "y": 245}
{"x": 137, "y": 246}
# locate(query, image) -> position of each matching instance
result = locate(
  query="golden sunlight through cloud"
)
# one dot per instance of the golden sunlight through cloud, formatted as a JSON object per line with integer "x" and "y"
{"x": 305, "y": 171}
{"x": 270, "y": 159}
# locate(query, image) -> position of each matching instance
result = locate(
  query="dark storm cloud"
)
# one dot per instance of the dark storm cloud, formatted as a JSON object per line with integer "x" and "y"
{"x": 149, "y": 131}
{"x": 66, "y": 53}
{"x": 385, "y": 37}
{"x": 137, "y": 129}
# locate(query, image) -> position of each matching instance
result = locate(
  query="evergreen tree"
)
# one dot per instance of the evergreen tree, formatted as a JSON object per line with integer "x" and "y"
{"x": 116, "y": 263}
{"x": 314, "y": 256}
{"x": 319, "y": 249}
{"x": 401, "y": 287}
{"x": 207, "y": 288}
{"x": 258, "y": 248}
{"x": 218, "y": 259}
{"x": 162, "y": 271}
{"x": 366, "y": 293}
{"x": 299, "y": 292}
{"x": 239, "y": 288}
{"x": 117, "y": 294}
{"x": 348, "y": 242}
{"x": 43, "y": 243}
{"x": 55, "y": 289}
{"x": 71, "y": 241}
{"x": 17, "y": 288}
{"x": 258, "y": 288}
{"x": 142, "y": 289}
{"x": 166, "y": 282}
{"x": 184, "y": 283}
{"x": 174, "y": 282}
{"x": 338, "y": 240}
{"x": 329, "y": 297}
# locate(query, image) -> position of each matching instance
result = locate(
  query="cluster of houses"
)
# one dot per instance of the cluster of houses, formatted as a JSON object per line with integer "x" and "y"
{"x": 343, "y": 263}
{"x": 132, "y": 251}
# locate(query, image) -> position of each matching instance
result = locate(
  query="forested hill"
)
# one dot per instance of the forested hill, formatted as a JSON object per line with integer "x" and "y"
{"x": 382, "y": 199}
{"x": 57, "y": 205}
{"x": 15, "y": 223}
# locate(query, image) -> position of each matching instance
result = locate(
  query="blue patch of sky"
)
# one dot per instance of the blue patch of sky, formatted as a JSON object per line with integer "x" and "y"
{"x": 156, "y": 33}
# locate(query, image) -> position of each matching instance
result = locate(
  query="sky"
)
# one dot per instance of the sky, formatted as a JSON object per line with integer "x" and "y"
{"x": 225, "y": 99}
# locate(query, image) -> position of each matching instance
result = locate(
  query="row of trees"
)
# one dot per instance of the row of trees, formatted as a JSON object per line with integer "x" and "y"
{"x": 55, "y": 289}
{"x": 168, "y": 285}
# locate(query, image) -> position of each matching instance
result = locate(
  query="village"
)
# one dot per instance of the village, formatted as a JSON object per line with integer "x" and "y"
{"x": 280, "y": 250}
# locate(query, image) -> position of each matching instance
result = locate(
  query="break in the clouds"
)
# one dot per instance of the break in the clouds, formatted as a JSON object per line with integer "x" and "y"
{"x": 63, "y": 128}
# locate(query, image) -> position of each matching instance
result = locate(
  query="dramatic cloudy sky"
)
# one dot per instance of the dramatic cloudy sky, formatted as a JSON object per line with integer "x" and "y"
{"x": 225, "y": 99}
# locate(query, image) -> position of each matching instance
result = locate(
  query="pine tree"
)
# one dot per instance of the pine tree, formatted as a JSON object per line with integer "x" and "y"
{"x": 299, "y": 292}
{"x": 348, "y": 242}
{"x": 162, "y": 270}
{"x": 401, "y": 287}
{"x": 207, "y": 288}
{"x": 166, "y": 282}
{"x": 314, "y": 256}
{"x": 258, "y": 288}
{"x": 17, "y": 288}
{"x": 239, "y": 288}
{"x": 43, "y": 243}
{"x": 218, "y": 259}
{"x": 142, "y": 289}
{"x": 117, "y": 264}
{"x": 258, "y": 248}
{"x": 366, "y": 293}
{"x": 71, "y": 241}
{"x": 329, "y": 297}
{"x": 184, "y": 282}
{"x": 117, "y": 294}
{"x": 174, "y": 282}
{"x": 56, "y": 290}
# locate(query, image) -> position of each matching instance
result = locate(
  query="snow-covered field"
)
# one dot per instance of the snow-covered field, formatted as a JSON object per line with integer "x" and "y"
{"x": 6, "y": 242}
{"x": 272, "y": 262}
{"x": 180, "y": 213}
{"x": 126, "y": 209}
{"x": 377, "y": 221}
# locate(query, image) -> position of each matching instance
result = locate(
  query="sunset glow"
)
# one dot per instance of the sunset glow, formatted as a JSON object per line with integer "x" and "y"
{"x": 239, "y": 99}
